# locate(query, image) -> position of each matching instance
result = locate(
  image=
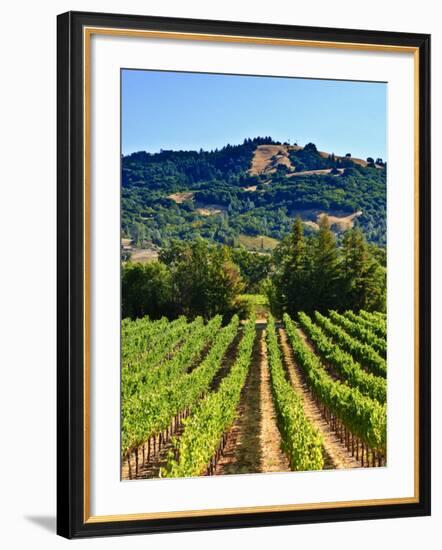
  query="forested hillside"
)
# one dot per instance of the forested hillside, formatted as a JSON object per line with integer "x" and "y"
{"x": 217, "y": 195}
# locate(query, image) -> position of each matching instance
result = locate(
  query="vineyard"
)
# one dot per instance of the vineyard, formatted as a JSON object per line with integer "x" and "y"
{"x": 206, "y": 398}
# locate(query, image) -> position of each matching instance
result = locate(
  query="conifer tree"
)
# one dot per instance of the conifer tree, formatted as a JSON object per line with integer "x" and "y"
{"x": 296, "y": 269}
{"x": 325, "y": 269}
{"x": 288, "y": 293}
{"x": 363, "y": 278}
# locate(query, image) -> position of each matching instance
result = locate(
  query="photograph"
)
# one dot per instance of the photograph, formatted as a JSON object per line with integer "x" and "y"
{"x": 254, "y": 274}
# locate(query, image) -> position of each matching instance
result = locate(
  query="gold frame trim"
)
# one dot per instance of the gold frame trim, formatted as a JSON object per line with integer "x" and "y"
{"x": 87, "y": 34}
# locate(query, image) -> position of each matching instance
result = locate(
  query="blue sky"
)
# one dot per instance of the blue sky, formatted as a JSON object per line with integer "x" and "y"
{"x": 189, "y": 111}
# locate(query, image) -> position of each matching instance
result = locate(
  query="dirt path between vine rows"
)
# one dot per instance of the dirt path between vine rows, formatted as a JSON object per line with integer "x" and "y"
{"x": 254, "y": 442}
{"x": 336, "y": 454}
{"x": 273, "y": 459}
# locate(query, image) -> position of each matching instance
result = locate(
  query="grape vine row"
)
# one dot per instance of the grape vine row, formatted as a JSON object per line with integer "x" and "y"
{"x": 301, "y": 441}
{"x": 147, "y": 413}
{"x": 367, "y": 383}
{"x": 364, "y": 417}
{"x": 204, "y": 429}
{"x": 378, "y": 325}
{"x": 363, "y": 353}
{"x": 361, "y": 333}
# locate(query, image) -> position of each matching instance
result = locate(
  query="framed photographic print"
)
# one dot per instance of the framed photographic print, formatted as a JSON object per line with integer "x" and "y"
{"x": 243, "y": 274}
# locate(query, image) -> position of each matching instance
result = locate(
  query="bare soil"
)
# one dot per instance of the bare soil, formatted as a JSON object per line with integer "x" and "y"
{"x": 254, "y": 442}
{"x": 273, "y": 459}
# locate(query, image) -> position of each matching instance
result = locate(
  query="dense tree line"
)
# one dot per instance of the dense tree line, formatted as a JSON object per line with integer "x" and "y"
{"x": 188, "y": 167}
{"x": 305, "y": 273}
{"x": 189, "y": 279}
{"x": 315, "y": 273}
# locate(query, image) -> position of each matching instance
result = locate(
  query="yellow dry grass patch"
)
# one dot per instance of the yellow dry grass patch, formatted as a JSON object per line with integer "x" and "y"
{"x": 143, "y": 255}
{"x": 340, "y": 223}
{"x": 267, "y": 157}
{"x": 260, "y": 242}
{"x": 179, "y": 198}
{"x": 208, "y": 211}
{"x": 311, "y": 172}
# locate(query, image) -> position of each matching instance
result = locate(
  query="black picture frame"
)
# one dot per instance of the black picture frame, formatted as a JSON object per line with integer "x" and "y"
{"x": 71, "y": 498}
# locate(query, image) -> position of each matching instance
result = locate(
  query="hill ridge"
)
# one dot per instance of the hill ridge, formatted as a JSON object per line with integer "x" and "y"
{"x": 254, "y": 189}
